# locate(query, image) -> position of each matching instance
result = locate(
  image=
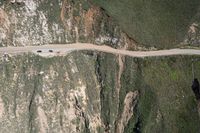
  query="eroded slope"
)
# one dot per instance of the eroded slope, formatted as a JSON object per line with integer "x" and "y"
{"x": 97, "y": 92}
{"x": 36, "y": 22}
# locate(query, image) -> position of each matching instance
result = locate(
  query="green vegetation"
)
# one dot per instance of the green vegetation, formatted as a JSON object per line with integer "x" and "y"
{"x": 162, "y": 24}
{"x": 52, "y": 9}
{"x": 166, "y": 102}
{"x": 107, "y": 78}
{"x": 171, "y": 79}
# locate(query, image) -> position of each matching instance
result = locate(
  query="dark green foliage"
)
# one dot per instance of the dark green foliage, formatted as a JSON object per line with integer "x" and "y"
{"x": 186, "y": 117}
{"x": 85, "y": 5}
{"x": 53, "y": 9}
{"x": 166, "y": 101}
{"x": 159, "y": 23}
{"x": 107, "y": 72}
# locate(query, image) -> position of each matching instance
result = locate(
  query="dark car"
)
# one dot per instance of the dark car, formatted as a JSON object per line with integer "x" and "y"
{"x": 50, "y": 51}
{"x": 39, "y": 51}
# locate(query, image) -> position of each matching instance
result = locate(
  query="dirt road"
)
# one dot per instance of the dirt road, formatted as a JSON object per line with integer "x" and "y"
{"x": 63, "y": 49}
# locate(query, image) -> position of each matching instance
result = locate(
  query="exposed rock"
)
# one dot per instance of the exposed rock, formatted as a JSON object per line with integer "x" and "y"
{"x": 129, "y": 104}
{"x": 4, "y": 26}
{"x": 95, "y": 92}
{"x": 56, "y": 100}
{"x": 77, "y": 93}
{"x": 36, "y": 22}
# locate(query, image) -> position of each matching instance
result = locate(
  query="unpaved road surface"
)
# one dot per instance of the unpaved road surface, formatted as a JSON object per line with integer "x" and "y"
{"x": 63, "y": 49}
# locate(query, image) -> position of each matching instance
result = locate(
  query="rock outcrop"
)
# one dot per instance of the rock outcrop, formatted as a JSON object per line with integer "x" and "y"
{"x": 81, "y": 93}
{"x": 36, "y": 22}
{"x": 95, "y": 92}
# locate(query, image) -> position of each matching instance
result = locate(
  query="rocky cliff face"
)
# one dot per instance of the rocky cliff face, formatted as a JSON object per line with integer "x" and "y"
{"x": 37, "y": 22}
{"x": 115, "y": 23}
{"x": 94, "y": 92}
{"x": 80, "y": 93}
{"x": 45, "y": 98}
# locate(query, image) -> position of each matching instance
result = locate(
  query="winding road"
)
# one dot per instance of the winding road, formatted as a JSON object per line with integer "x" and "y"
{"x": 63, "y": 49}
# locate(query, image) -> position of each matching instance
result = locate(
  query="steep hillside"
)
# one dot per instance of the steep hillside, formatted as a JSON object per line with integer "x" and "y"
{"x": 97, "y": 92}
{"x": 159, "y": 23}
{"x": 130, "y": 23}
{"x": 91, "y": 91}
{"x": 36, "y": 22}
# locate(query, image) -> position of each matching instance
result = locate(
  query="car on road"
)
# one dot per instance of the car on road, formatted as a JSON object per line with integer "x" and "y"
{"x": 39, "y": 51}
{"x": 51, "y": 51}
